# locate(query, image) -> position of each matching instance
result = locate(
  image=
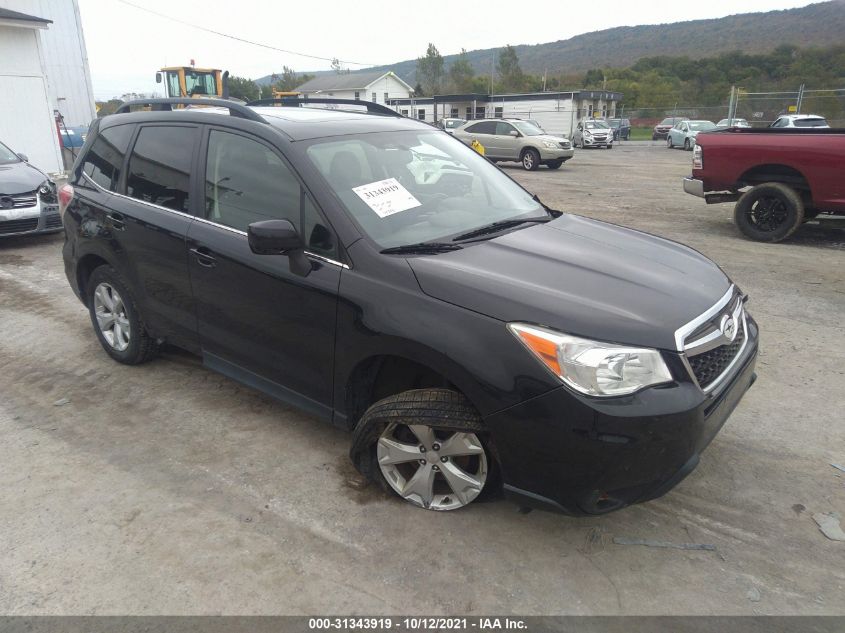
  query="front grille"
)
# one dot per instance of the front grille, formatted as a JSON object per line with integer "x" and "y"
{"x": 21, "y": 200}
{"x": 52, "y": 221}
{"x": 709, "y": 365}
{"x": 18, "y": 226}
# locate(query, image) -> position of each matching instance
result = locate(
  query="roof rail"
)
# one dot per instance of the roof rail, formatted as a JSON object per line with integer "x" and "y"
{"x": 235, "y": 109}
{"x": 372, "y": 108}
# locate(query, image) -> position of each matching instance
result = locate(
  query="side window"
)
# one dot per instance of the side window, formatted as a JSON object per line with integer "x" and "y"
{"x": 485, "y": 127}
{"x": 104, "y": 159}
{"x": 160, "y": 166}
{"x": 246, "y": 182}
{"x": 503, "y": 129}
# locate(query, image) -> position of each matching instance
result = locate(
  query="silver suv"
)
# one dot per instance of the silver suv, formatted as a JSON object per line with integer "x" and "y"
{"x": 517, "y": 140}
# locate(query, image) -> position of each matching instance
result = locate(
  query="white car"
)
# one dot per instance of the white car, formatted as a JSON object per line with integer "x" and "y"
{"x": 800, "y": 120}
{"x": 733, "y": 123}
{"x": 593, "y": 133}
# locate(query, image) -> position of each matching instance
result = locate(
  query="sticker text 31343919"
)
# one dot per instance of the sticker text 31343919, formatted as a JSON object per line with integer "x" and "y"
{"x": 386, "y": 197}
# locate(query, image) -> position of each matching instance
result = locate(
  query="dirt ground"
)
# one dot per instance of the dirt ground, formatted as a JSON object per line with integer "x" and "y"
{"x": 168, "y": 489}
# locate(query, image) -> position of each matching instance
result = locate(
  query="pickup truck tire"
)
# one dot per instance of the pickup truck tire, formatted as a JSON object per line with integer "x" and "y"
{"x": 769, "y": 212}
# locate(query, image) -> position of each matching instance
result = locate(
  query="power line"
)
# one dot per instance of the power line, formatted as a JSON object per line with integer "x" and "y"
{"x": 240, "y": 39}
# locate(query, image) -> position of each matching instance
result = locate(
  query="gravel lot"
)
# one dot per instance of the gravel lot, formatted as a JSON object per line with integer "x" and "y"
{"x": 168, "y": 489}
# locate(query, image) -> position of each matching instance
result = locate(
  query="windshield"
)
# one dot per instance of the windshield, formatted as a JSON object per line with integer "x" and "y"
{"x": 417, "y": 186}
{"x": 454, "y": 123}
{"x": 596, "y": 125}
{"x": 199, "y": 83}
{"x": 810, "y": 122}
{"x": 7, "y": 156}
{"x": 527, "y": 128}
{"x": 701, "y": 125}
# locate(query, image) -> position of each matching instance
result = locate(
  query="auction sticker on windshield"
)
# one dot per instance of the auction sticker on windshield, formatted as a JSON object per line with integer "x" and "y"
{"x": 386, "y": 197}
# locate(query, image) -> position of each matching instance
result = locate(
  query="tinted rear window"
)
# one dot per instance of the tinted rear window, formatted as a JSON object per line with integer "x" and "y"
{"x": 160, "y": 166}
{"x": 485, "y": 127}
{"x": 810, "y": 123}
{"x": 104, "y": 159}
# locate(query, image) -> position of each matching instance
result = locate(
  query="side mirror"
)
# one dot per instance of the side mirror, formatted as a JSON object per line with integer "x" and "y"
{"x": 279, "y": 237}
{"x": 513, "y": 133}
{"x": 23, "y": 157}
{"x": 158, "y": 78}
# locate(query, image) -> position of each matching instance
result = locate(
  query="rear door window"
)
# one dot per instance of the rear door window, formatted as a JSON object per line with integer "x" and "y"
{"x": 485, "y": 127}
{"x": 159, "y": 169}
{"x": 104, "y": 159}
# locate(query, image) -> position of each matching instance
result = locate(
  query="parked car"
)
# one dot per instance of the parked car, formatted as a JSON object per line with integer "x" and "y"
{"x": 385, "y": 277}
{"x": 800, "y": 121}
{"x": 684, "y": 133}
{"x": 517, "y": 140}
{"x": 449, "y": 125}
{"x": 661, "y": 130}
{"x": 593, "y": 133}
{"x": 779, "y": 178}
{"x": 28, "y": 203}
{"x": 733, "y": 123}
{"x": 621, "y": 128}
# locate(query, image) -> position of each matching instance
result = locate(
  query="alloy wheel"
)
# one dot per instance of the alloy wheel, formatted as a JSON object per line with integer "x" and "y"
{"x": 767, "y": 214}
{"x": 432, "y": 468}
{"x": 528, "y": 160}
{"x": 111, "y": 316}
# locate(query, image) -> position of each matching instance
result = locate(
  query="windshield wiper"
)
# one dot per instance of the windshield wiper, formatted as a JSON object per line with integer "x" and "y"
{"x": 495, "y": 227}
{"x": 421, "y": 249}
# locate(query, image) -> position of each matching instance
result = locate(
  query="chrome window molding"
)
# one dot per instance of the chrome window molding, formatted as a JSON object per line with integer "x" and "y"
{"x": 685, "y": 330}
{"x": 316, "y": 256}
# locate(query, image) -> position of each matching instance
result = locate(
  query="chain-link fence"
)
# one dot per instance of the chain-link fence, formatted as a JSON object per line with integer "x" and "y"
{"x": 761, "y": 108}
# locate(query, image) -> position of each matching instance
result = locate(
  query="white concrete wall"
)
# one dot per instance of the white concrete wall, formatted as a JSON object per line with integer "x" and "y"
{"x": 556, "y": 116}
{"x": 26, "y": 116}
{"x": 65, "y": 57}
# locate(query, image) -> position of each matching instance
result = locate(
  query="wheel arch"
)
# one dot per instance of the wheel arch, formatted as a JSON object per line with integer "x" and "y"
{"x": 84, "y": 267}
{"x": 779, "y": 173}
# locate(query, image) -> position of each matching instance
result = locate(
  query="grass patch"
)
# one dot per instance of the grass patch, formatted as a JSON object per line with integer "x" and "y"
{"x": 641, "y": 133}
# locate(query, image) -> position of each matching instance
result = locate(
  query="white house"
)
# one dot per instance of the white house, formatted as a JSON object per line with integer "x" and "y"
{"x": 557, "y": 112}
{"x": 379, "y": 87}
{"x": 43, "y": 70}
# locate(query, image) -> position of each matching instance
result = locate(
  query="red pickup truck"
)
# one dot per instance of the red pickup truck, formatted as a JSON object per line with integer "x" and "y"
{"x": 779, "y": 177}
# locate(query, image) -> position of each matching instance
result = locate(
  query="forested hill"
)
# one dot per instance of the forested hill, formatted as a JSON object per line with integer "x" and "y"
{"x": 818, "y": 25}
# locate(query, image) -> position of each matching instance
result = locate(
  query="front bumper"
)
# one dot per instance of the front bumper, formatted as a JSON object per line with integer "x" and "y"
{"x": 656, "y": 134}
{"x": 584, "y": 456}
{"x": 42, "y": 218}
{"x": 694, "y": 187}
{"x": 593, "y": 142}
{"x": 555, "y": 153}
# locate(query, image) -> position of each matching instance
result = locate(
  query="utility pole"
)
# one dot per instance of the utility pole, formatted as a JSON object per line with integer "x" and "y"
{"x": 800, "y": 99}
{"x": 492, "y": 63}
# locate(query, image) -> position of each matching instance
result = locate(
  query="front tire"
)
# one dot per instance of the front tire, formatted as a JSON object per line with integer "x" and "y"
{"x": 669, "y": 142}
{"x": 687, "y": 145}
{"x": 530, "y": 159}
{"x": 116, "y": 318}
{"x": 554, "y": 164}
{"x": 426, "y": 446}
{"x": 769, "y": 212}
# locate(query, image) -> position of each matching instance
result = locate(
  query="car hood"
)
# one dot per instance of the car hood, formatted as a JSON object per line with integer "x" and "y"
{"x": 20, "y": 178}
{"x": 551, "y": 138}
{"x": 579, "y": 276}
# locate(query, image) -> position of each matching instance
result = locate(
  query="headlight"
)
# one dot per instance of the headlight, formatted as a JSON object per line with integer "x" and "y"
{"x": 549, "y": 144}
{"x": 47, "y": 191}
{"x": 592, "y": 367}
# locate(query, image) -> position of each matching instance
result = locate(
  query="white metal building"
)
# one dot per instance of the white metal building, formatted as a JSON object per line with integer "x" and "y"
{"x": 378, "y": 87}
{"x": 557, "y": 112}
{"x": 43, "y": 69}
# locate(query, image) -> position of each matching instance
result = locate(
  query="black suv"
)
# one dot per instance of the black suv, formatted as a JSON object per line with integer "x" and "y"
{"x": 381, "y": 275}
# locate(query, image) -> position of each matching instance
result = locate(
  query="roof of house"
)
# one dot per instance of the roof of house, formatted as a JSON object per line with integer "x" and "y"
{"x": 8, "y": 14}
{"x": 346, "y": 81}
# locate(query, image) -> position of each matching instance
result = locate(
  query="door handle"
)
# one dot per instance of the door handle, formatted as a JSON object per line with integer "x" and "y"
{"x": 116, "y": 220}
{"x": 203, "y": 257}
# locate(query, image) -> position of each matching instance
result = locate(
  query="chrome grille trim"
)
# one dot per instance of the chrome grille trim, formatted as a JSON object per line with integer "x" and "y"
{"x": 685, "y": 330}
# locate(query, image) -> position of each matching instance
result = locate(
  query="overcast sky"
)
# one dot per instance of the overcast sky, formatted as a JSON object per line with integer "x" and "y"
{"x": 126, "y": 45}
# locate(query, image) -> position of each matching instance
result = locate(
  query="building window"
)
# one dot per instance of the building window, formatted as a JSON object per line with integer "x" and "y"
{"x": 469, "y": 113}
{"x": 403, "y": 112}
{"x": 590, "y": 111}
{"x": 357, "y": 96}
{"x": 454, "y": 113}
{"x": 374, "y": 98}
{"x": 498, "y": 112}
{"x": 479, "y": 112}
{"x": 421, "y": 115}
{"x": 386, "y": 97}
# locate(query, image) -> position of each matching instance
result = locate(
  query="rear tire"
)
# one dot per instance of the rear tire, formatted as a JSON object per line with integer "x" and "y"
{"x": 427, "y": 446}
{"x": 530, "y": 159}
{"x": 769, "y": 212}
{"x": 116, "y": 318}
